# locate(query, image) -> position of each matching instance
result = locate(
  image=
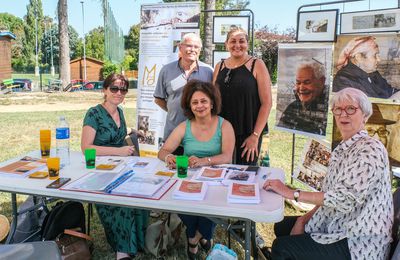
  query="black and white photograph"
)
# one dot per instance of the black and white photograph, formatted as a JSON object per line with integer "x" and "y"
{"x": 223, "y": 24}
{"x": 303, "y": 88}
{"x": 317, "y": 26}
{"x": 370, "y": 63}
{"x": 384, "y": 20}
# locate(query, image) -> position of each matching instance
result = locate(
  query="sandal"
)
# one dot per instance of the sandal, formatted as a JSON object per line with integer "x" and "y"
{"x": 207, "y": 245}
{"x": 192, "y": 256}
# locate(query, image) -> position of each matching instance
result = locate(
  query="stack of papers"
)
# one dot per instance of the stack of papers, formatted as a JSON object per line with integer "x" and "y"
{"x": 140, "y": 185}
{"x": 190, "y": 190}
{"x": 211, "y": 174}
{"x": 24, "y": 167}
{"x": 239, "y": 176}
{"x": 247, "y": 193}
{"x": 111, "y": 164}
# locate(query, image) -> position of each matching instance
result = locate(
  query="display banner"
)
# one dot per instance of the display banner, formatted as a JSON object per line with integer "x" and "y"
{"x": 161, "y": 29}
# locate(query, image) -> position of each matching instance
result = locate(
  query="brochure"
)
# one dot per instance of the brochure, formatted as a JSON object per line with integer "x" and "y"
{"x": 128, "y": 183}
{"x": 140, "y": 185}
{"x": 248, "y": 193}
{"x": 24, "y": 167}
{"x": 190, "y": 190}
{"x": 210, "y": 174}
{"x": 239, "y": 176}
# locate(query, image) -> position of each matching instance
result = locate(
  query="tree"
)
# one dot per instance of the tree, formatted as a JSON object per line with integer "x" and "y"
{"x": 94, "y": 41}
{"x": 63, "y": 37}
{"x": 11, "y": 23}
{"x": 74, "y": 43}
{"x": 132, "y": 48}
{"x": 266, "y": 45}
{"x": 34, "y": 16}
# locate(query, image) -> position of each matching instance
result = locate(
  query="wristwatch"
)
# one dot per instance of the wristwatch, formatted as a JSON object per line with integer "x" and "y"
{"x": 296, "y": 195}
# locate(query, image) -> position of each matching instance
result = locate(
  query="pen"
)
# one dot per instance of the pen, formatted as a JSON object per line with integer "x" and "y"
{"x": 118, "y": 181}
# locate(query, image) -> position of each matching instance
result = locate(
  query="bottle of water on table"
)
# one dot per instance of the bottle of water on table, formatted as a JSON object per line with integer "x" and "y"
{"x": 62, "y": 141}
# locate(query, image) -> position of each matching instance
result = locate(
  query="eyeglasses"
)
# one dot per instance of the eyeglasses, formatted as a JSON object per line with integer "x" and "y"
{"x": 115, "y": 89}
{"x": 381, "y": 131}
{"x": 349, "y": 110}
{"x": 228, "y": 77}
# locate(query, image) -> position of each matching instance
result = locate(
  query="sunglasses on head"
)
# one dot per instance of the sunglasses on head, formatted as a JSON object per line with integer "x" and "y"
{"x": 114, "y": 89}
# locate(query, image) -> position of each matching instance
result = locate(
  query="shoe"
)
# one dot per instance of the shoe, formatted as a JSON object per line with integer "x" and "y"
{"x": 192, "y": 256}
{"x": 266, "y": 252}
{"x": 207, "y": 245}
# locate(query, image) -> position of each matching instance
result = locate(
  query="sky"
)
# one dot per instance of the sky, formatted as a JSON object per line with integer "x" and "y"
{"x": 280, "y": 14}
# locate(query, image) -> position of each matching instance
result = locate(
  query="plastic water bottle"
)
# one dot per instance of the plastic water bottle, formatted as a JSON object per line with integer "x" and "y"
{"x": 62, "y": 141}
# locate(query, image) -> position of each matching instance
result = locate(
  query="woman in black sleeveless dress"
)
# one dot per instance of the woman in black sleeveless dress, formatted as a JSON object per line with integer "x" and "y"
{"x": 245, "y": 88}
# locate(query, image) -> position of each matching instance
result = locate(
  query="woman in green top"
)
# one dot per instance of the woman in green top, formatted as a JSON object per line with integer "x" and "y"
{"x": 207, "y": 139}
{"x": 104, "y": 129}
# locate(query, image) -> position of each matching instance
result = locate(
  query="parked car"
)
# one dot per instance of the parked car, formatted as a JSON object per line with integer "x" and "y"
{"x": 93, "y": 85}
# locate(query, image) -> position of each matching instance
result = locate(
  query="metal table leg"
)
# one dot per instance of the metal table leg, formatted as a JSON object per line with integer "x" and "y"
{"x": 247, "y": 242}
{"x": 253, "y": 240}
{"x": 14, "y": 216}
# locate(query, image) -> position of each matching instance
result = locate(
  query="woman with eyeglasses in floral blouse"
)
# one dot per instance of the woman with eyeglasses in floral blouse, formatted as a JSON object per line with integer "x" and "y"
{"x": 353, "y": 216}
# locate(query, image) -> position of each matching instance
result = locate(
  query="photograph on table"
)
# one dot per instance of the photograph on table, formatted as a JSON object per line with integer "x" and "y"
{"x": 223, "y": 24}
{"x": 384, "y": 20}
{"x": 314, "y": 164}
{"x": 317, "y": 26}
{"x": 370, "y": 63}
{"x": 384, "y": 125}
{"x": 303, "y": 88}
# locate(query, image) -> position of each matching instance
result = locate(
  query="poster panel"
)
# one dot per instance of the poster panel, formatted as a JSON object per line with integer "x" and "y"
{"x": 303, "y": 88}
{"x": 370, "y": 63}
{"x": 162, "y": 27}
{"x": 384, "y": 125}
{"x": 314, "y": 164}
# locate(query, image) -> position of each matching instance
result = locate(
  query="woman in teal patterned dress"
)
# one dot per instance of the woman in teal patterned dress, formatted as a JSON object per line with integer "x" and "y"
{"x": 104, "y": 129}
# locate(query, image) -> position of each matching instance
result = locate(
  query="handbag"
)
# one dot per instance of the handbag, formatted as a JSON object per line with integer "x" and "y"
{"x": 163, "y": 234}
{"x": 74, "y": 245}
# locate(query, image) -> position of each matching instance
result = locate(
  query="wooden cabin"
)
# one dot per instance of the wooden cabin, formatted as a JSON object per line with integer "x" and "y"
{"x": 5, "y": 55}
{"x": 93, "y": 69}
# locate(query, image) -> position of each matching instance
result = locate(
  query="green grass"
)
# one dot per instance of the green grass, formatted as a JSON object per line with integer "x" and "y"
{"x": 45, "y": 77}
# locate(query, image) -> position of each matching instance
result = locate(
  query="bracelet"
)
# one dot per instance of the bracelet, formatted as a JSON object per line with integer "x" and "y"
{"x": 256, "y": 134}
{"x": 166, "y": 157}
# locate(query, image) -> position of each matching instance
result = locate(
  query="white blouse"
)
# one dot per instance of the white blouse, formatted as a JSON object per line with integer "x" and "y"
{"x": 358, "y": 203}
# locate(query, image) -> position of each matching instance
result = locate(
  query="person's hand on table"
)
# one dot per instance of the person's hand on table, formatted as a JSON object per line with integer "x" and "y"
{"x": 126, "y": 150}
{"x": 250, "y": 147}
{"x": 195, "y": 161}
{"x": 170, "y": 161}
{"x": 277, "y": 186}
{"x": 298, "y": 228}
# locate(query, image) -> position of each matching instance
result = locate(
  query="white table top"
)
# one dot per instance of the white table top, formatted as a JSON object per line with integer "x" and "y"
{"x": 215, "y": 204}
